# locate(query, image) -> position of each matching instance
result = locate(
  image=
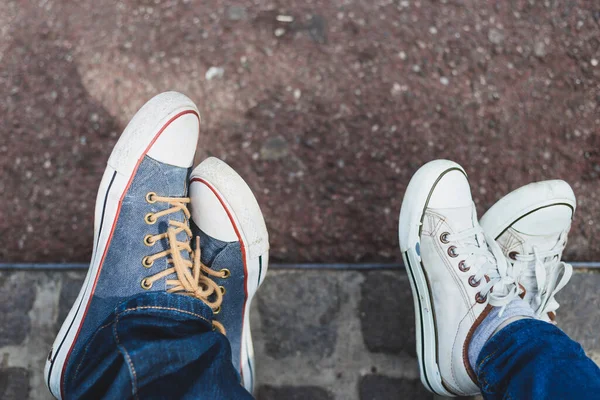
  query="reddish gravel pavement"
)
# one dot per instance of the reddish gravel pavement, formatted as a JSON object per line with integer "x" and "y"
{"x": 326, "y": 116}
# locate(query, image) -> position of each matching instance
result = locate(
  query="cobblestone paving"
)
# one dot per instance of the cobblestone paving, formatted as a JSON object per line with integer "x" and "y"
{"x": 319, "y": 335}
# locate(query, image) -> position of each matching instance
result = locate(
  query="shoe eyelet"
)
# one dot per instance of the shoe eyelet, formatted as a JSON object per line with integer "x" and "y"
{"x": 148, "y": 240}
{"x": 147, "y": 262}
{"x": 513, "y": 255}
{"x": 444, "y": 238}
{"x": 150, "y": 197}
{"x": 463, "y": 266}
{"x": 473, "y": 282}
{"x": 452, "y": 251}
{"x": 480, "y": 299}
{"x": 222, "y": 290}
{"x": 150, "y": 219}
{"x": 217, "y": 310}
{"x": 226, "y": 273}
{"x": 146, "y": 284}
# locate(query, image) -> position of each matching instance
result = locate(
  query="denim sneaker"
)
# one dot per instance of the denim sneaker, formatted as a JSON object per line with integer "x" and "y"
{"x": 457, "y": 274}
{"x": 234, "y": 245}
{"x": 531, "y": 224}
{"x": 141, "y": 231}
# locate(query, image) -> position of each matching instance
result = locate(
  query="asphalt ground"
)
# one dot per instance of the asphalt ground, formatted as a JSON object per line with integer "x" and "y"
{"x": 325, "y": 107}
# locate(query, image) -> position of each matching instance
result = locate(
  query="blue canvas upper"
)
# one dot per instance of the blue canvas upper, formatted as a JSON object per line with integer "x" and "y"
{"x": 217, "y": 255}
{"x": 122, "y": 270}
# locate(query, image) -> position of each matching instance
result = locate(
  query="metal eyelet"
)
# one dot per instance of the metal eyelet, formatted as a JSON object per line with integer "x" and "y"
{"x": 480, "y": 299}
{"x": 147, "y": 262}
{"x": 444, "y": 238}
{"x": 150, "y": 197}
{"x": 473, "y": 282}
{"x": 513, "y": 255}
{"x": 146, "y": 284}
{"x": 463, "y": 266}
{"x": 218, "y": 310}
{"x": 452, "y": 251}
{"x": 150, "y": 219}
{"x": 148, "y": 240}
{"x": 226, "y": 273}
{"x": 222, "y": 289}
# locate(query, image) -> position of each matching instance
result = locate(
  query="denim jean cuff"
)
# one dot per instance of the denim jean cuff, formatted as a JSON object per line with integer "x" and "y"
{"x": 167, "y": 303}
{"x": 496, "y": 341}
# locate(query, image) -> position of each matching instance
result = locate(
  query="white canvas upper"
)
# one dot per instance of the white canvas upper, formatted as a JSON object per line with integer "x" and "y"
{"x": 531, "y": 225}
{"x": 444, "y": 249}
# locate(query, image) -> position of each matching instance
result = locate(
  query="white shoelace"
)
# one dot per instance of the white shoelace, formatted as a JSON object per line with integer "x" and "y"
{"x": 548, "y": 278}
{"x": 487, "y": 261}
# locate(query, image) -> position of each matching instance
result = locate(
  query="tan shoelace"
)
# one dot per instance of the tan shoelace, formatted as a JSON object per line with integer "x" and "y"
{"x": 193, "y": 277}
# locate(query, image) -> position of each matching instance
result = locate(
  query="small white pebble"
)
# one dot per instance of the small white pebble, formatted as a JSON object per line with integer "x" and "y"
{"x": 285, "y": 18}
{"x": 444, "y": 81}
{"x": 402, "y": 55}
{"x": 297, "y": 94}
{"x": 214, "y": 72}
{"x": 279, "y": 32}
{"x": 594, "y": 62}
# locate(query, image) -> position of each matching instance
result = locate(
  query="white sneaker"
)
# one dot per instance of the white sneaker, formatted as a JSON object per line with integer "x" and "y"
{"x": 456, "y": 275}
{"x": 531, "y": 225}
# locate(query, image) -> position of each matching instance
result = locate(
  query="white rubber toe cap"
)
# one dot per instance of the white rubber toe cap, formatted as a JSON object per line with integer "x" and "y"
{"x": 546, "y": 220}
{"x": 176, "y": 145}
{"x": 451, "y": 191}
{"x": 209, "y": 214}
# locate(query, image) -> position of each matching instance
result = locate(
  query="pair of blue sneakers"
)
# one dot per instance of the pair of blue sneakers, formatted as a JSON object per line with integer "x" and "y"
{"x": 159, "y": 227}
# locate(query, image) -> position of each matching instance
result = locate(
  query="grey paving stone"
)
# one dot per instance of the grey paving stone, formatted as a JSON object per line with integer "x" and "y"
{"x": 266, "y": 392}
{"x": 16, "y": 299}
{"x": 379, "y": 387}
{"x": 298, "y": 310}
{"x": 71, "y": 285}
{"x": 14, "y": 383}
{"x": 579, "y": 312}
{"x": 386, "y": 313}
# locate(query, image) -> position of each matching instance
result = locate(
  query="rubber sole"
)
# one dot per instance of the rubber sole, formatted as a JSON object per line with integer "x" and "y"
{"x": 244, "y": 213}
{"x": 135, "y": 142}
{"x": 412, "y": 212}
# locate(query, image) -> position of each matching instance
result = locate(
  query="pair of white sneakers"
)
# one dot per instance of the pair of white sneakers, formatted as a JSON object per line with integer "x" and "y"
{"x": 460, "y": 268}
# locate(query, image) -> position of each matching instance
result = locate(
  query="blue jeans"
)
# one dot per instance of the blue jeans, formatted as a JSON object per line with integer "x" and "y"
{"x": 531, "y": 359}
{"x": 156, "y": 346}
{"x": 159, "y": 345}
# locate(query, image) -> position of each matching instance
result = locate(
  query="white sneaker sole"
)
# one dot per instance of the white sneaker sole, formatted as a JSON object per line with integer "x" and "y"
{"x": 123, "y": 163}
{"x": 414, "y": 205}
{"x": 524, "y": 201}
{"x": 244, "y": 214}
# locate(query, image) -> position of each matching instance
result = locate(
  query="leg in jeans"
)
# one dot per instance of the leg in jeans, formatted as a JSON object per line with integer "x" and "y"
{"x": 143, "y": 322}
{"x": 157, "y": 345}
{"x": 485, "y": 293}
{"x": 533, "y": 359}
